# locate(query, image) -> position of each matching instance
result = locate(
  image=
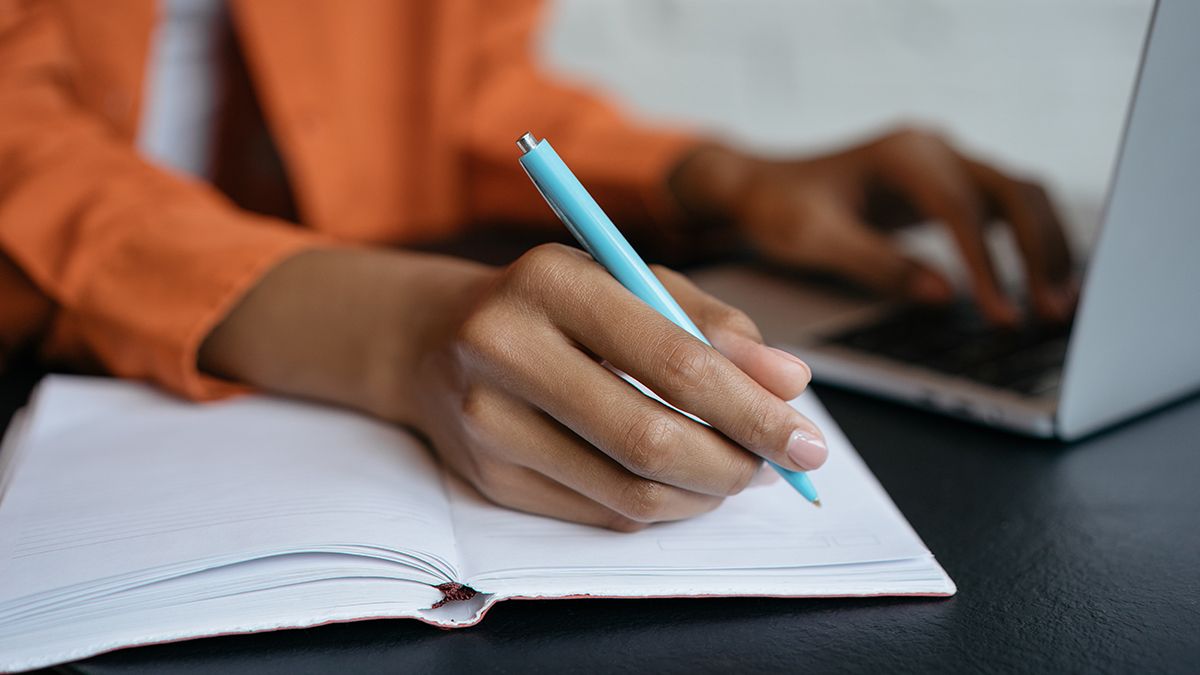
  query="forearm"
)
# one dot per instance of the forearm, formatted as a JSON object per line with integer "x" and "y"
{"x": 345, "y": 326}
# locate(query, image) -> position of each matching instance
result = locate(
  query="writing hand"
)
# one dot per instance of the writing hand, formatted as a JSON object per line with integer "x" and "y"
{"x": 500, "y": 369}
{"x": 519, "y": 404}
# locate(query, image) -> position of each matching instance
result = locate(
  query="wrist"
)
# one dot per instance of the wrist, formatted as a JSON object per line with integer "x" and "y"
{"x": 344, "y": 326}
{"x": 428, "y": 303}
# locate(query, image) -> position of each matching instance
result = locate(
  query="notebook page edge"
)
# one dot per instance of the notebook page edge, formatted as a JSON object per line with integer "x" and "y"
{"x": 33, "y": 654}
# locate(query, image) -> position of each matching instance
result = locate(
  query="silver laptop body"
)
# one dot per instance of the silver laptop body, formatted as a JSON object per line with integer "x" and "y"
{"x": 1135, "y": 341}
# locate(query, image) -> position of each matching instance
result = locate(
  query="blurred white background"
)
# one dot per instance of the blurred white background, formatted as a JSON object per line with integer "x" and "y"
{"x": 1040, "y": 86}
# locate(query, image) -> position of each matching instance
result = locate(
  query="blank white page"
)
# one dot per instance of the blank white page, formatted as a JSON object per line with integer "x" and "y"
{"x": 118, "y": 484}
{"x": 762, "y": 528}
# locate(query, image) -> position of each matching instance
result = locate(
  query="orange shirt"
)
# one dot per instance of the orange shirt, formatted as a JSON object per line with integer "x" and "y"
{"x": 395, "y": 120}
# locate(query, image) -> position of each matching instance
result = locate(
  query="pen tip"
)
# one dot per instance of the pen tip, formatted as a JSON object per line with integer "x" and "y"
{"x": 817, "y": 503}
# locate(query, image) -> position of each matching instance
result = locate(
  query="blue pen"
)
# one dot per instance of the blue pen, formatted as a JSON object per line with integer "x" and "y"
{"x": 599, "y": 237}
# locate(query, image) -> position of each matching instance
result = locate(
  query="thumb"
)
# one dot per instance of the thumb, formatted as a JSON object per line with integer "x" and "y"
{"x": 737, "y": 338}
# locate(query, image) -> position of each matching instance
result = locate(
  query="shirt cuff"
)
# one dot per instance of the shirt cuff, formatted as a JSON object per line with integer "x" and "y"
{"x": 160, "y": 290}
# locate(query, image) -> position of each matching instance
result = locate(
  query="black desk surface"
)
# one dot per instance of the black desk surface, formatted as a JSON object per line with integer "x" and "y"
{"x": 1081, "y": 558}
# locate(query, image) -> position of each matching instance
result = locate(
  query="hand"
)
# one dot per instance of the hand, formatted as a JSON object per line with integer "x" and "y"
{"x": 500, "y": 370}
{"x": 519, "y": 404}
{"x": 831, "y": 213}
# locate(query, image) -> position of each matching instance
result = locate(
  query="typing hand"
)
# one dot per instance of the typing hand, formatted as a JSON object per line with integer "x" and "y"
{"x": 831, "y": 213}
{"x": 519, "y": 404}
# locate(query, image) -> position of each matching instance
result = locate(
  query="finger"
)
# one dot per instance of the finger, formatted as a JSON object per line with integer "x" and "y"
{"x": 929, "y": 172}
{"x": 534, "y": 441}
{"x": 1039, "y": 234}
{"x": 526, "y": 490}
{"x": 779, "y": 372}
{"x": 736, "y": 336}
{"x": 818, "y": 229}
{"x": 642, "y": 435}
{"x": 690, "y": 375}
{"x": 588, "y": 306}
{"x": 858, "y": 252}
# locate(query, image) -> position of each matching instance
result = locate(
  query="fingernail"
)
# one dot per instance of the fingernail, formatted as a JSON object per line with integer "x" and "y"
{"x": 765, "y": 476}
{"x": 794, "y": 361}
{"x": 806, "y": 449}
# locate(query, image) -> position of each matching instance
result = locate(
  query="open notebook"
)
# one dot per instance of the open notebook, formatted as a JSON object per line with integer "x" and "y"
{"x": 129, "y": 517}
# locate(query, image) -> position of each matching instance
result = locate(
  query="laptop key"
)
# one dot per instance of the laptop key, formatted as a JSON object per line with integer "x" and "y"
{"x": 956, "y": 341}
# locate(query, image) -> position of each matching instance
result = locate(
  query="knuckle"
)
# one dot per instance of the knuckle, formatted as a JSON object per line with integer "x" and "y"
{"x": 686, "y": 363}
{"x": 914, "y": 146}
{"x": 473, "y": 408}
{"x": 650, "y": 444}
{"x": 742, "y": 471}
{"x": 915, "y": 136}
{"x": 480, "y": 338}
{"x": 644, "y": 501}
{"x": 477, "y": 410}
{"x": 758, "y": 428}
{"x": 546, "y": 267}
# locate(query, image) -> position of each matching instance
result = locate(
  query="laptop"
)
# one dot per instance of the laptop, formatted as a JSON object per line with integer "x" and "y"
{"x": 1134, "y": 343}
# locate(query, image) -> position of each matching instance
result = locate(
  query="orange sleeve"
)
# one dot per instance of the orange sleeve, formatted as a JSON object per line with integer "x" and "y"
{"x": 623, "y": 165}
{"x": 24, "y": 311}
{"x": 139, "y": 264}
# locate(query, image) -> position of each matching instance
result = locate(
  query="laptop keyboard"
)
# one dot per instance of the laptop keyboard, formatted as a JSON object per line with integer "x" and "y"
{"x": 1026, "y": 359}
